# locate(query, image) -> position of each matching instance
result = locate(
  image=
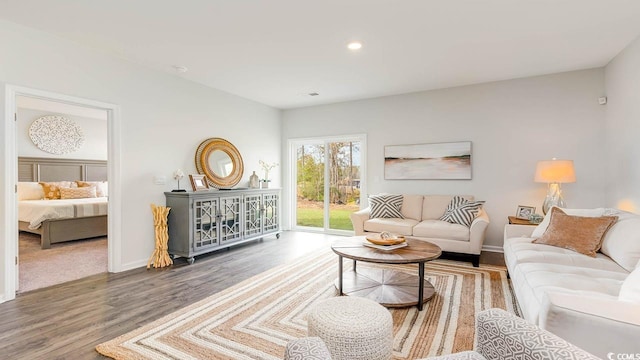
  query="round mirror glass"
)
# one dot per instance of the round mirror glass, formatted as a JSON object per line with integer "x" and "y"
{"x": 220, "y": 162}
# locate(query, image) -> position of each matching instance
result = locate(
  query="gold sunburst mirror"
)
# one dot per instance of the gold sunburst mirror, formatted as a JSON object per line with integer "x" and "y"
{"x": 220, "y": 162}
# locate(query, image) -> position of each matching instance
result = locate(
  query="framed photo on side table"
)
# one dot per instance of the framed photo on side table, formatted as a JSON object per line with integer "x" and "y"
{"x": 524, "y": 212}
{"x": 198, "y": 182}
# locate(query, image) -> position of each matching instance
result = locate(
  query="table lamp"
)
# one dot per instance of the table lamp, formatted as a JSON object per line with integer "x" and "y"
{"x": 554, "y": 172}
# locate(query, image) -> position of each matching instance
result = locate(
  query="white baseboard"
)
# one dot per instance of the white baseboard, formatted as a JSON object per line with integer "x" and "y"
{"x": 492, "y": 248}
{"x": 133, "y": 265}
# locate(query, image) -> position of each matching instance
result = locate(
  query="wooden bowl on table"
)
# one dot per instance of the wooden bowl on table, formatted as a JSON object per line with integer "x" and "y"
{"x": 385, "y": 239}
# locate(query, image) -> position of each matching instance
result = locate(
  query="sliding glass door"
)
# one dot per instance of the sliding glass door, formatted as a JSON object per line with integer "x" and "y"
{"x": 327, "y": 177}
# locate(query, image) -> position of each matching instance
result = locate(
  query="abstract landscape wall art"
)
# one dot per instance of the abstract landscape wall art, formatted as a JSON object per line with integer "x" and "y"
{"x": 442, "y": 161}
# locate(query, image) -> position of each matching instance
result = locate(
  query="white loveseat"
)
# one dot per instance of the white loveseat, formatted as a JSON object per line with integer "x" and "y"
{"x": 421, "y": 221}
{"x": 576, "y": 296}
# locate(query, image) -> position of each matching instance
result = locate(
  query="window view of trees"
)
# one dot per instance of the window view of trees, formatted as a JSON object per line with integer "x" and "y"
{"x": 344, "y": 183}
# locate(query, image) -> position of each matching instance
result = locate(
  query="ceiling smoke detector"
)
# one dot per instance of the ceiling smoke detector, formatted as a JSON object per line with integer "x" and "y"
{"x": 180, "y": 69}
{"x": 313, "y": 94}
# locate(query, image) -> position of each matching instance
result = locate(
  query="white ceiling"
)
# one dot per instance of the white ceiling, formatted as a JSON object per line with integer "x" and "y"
{"x": 277, "y": 51}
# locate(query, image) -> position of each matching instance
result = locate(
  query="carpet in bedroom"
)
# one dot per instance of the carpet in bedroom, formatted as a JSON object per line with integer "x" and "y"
{"x": 63, "y": 262}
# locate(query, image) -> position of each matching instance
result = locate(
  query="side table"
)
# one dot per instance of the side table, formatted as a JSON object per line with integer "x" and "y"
{"x": 515, "y": 221}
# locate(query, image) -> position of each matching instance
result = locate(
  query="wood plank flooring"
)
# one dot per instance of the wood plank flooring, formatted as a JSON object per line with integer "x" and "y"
{"x": 67, "y": 321}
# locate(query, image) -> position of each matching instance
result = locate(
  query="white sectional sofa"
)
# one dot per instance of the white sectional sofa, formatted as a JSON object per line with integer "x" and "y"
{"x": 421, "y": 221}
{"x": 575, "y": 296}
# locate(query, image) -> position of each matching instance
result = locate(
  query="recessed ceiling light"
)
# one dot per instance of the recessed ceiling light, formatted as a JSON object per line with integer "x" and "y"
{"x": 354, "y": 45}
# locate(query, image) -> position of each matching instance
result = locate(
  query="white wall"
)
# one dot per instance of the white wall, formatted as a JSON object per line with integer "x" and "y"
{"x": 94, "y": 131}
{"x": 512, "y": 124}
{"x": 164, "y": 118}
{"x": 623, "y": 129}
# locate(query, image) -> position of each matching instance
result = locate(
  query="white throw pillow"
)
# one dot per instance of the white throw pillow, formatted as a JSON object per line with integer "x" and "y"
{"x": 102, "y": 189}
{"x": 622, "y": 242}
{"x": 542, "y": 227}
{"x": 30, "y": 191}
{"x": 630, "y": 289}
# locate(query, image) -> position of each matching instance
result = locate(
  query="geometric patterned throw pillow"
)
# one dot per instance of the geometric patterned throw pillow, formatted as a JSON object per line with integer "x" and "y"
{"x": 78, "y": 193}
{"x": 385, "y": 206}
{"x": 461, "y": 211}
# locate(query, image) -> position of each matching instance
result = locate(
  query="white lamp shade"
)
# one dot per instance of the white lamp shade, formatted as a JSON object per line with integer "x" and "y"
{"x": 555, "y": 171}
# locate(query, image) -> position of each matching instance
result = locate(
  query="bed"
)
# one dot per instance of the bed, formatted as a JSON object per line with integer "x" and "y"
{"x": 66, "y": 219}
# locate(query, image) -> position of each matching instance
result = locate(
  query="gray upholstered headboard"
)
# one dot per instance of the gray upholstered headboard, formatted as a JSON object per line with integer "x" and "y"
{"x": 45, "y": 169}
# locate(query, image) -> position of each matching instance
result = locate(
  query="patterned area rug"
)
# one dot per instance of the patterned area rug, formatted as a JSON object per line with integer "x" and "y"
{"x": 256, "y": 318}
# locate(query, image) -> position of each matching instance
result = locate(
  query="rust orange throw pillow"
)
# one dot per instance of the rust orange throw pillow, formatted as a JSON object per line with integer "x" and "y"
{"x": 578, "y": 233}
{"x": 52, "y": 189}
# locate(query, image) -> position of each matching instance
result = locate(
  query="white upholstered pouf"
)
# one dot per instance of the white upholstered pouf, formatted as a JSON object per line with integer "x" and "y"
{"x": 352, "y": 328}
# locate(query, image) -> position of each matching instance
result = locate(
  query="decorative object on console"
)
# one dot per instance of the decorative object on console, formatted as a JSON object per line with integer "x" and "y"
{"x": 254, "y": 183}
{"x": 428, "y": 161}
{"x": 267, "y": 167}
{"x": 264, "y": 184}
{"x": 524, "y": 212}
{"x": 554, "y": 172}
{"x": 178, "y": 174}
{"x": 198, "y": 182}
{"x": 160, "y": 257}
{"x": 56, "y": 134}
{"x": 220, "y": 162}
{"x": 578, "y": 233}
{"x": 461, "y": 211}
{"x": 386, "y": 206}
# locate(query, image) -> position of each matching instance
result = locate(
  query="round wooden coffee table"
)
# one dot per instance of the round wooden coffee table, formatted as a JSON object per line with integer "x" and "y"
{"x": 388, "y": 287}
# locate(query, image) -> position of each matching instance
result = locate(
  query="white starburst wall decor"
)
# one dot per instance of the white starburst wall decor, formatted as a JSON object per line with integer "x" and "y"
{"x": 56, "y": 134}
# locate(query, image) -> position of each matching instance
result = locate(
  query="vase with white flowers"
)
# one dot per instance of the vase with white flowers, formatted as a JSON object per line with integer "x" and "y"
{"x": 177, "y": 175}
{"x": 266, "y": 167}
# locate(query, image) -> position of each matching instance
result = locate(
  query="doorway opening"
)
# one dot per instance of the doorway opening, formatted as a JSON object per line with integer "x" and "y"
{"x": 327, "y": 176}
{"x": 51, "y": 248}
{"x": 10, "y": 242}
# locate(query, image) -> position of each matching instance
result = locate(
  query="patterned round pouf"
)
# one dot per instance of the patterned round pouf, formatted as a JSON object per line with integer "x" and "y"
{"x": 352, "y": 328}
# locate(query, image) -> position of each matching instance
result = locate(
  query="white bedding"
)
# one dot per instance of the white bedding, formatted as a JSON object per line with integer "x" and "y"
{"x": 36, "y": 211}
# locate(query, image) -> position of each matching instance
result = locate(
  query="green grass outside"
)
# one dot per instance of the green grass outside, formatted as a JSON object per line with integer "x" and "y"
{"x": 313, "y": 217}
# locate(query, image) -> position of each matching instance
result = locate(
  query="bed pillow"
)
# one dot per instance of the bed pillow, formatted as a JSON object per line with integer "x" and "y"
{"x": 578, "y": 233}
{"x": 461, "y": 211}
{"x": 52, "y": 189}
{"x": 78, "y": 193}
{"x": 386, "y": 206}
{"x": 30, "y": 191}
{"x": 102, "y": 190}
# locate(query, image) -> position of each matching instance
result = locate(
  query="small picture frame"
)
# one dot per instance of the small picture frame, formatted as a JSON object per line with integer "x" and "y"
{"x": 198, "y": 182}
{"x": 524, "y": 212}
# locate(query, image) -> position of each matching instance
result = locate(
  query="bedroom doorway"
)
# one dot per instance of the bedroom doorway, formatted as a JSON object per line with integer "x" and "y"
{"x": 109, "y": 113}
{"x": 66, "y": 145}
